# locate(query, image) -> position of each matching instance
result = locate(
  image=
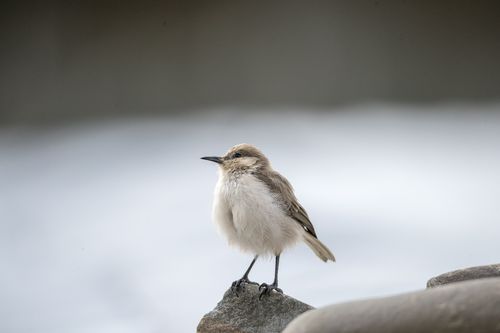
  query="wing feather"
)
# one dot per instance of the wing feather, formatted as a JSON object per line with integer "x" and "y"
{"x": 282, "y": 188}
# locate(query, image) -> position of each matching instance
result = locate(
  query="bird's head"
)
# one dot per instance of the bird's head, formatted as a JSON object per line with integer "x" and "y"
{"x": 241, "y": 157}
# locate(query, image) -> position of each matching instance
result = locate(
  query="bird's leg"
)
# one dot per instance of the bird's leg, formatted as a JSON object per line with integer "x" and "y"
{"x": 267, "y": 288}
{"x": 238, "y": 283}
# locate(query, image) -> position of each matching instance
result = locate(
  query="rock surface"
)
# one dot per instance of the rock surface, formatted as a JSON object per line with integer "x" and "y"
{"x": 471, "y": 273}
{"x": 469, "y": 306}
{"x": 245, "y": 313}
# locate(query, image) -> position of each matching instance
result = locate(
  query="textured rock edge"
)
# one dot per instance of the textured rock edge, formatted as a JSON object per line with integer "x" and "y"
{"x": 248, "y": 313}
{"x": 470, "y": 273}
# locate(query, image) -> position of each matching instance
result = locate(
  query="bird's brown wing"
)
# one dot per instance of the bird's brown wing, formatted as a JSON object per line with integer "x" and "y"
{"x": 282, "y": 188}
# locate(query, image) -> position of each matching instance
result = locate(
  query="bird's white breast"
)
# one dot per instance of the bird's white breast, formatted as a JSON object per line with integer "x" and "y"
{"x": 250, "y": 216}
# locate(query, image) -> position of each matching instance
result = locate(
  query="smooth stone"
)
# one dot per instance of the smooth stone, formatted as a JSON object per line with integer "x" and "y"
{"x": 462, "y": 307}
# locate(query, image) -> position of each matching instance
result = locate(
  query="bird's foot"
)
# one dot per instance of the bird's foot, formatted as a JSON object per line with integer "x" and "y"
{"x": 265, "y": 289}
{"x": 238, "y": 285}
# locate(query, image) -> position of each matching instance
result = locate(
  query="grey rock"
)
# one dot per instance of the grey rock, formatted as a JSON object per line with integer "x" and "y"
{"x": 462, "y": 307}
{"x": 471, "y": 273}
{"x": 245, "y": 313}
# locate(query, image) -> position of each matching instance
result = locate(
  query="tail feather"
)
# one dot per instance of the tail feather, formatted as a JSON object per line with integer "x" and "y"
{"x": 318, "y": 248}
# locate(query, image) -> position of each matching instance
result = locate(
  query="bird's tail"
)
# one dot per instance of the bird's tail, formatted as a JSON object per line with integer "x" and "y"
{"x": 318, "y": 248}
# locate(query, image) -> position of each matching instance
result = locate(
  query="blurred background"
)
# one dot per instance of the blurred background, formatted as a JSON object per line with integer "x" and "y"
{"x": 385, "y": 115}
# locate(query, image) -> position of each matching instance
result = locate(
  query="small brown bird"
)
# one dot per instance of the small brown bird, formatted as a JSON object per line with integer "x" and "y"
{"x": 256, "y": 208}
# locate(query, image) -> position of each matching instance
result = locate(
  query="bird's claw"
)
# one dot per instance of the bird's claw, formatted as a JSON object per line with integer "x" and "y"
{"x": 240, "y": 284}
{"x": 265, "y": 289}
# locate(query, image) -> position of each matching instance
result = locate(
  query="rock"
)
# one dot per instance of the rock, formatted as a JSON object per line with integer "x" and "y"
{"x": 471, "y": 273}
{"x": 469, "y": 306}
{"x": 245, "y": 313}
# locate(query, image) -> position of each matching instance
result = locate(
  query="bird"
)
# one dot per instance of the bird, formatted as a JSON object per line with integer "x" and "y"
{"x": 256, "y": 209}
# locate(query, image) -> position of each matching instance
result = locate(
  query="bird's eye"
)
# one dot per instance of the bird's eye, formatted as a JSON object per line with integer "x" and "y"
{"x": 236, "y": 155}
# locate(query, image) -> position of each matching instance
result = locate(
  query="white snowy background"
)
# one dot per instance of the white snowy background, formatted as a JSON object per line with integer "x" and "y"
{"x": 105, "y": 226}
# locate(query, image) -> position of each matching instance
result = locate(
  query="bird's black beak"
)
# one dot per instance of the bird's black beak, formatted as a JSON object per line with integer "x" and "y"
{"x": 215, "y": 159}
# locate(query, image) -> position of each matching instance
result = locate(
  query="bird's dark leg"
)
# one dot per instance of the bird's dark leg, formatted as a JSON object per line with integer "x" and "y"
{"x": 266, "y": 288}
{"x": 238, "y": 283}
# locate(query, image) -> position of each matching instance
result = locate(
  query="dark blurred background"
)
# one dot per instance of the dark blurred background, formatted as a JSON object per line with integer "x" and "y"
{"x": 68, "y": 59}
